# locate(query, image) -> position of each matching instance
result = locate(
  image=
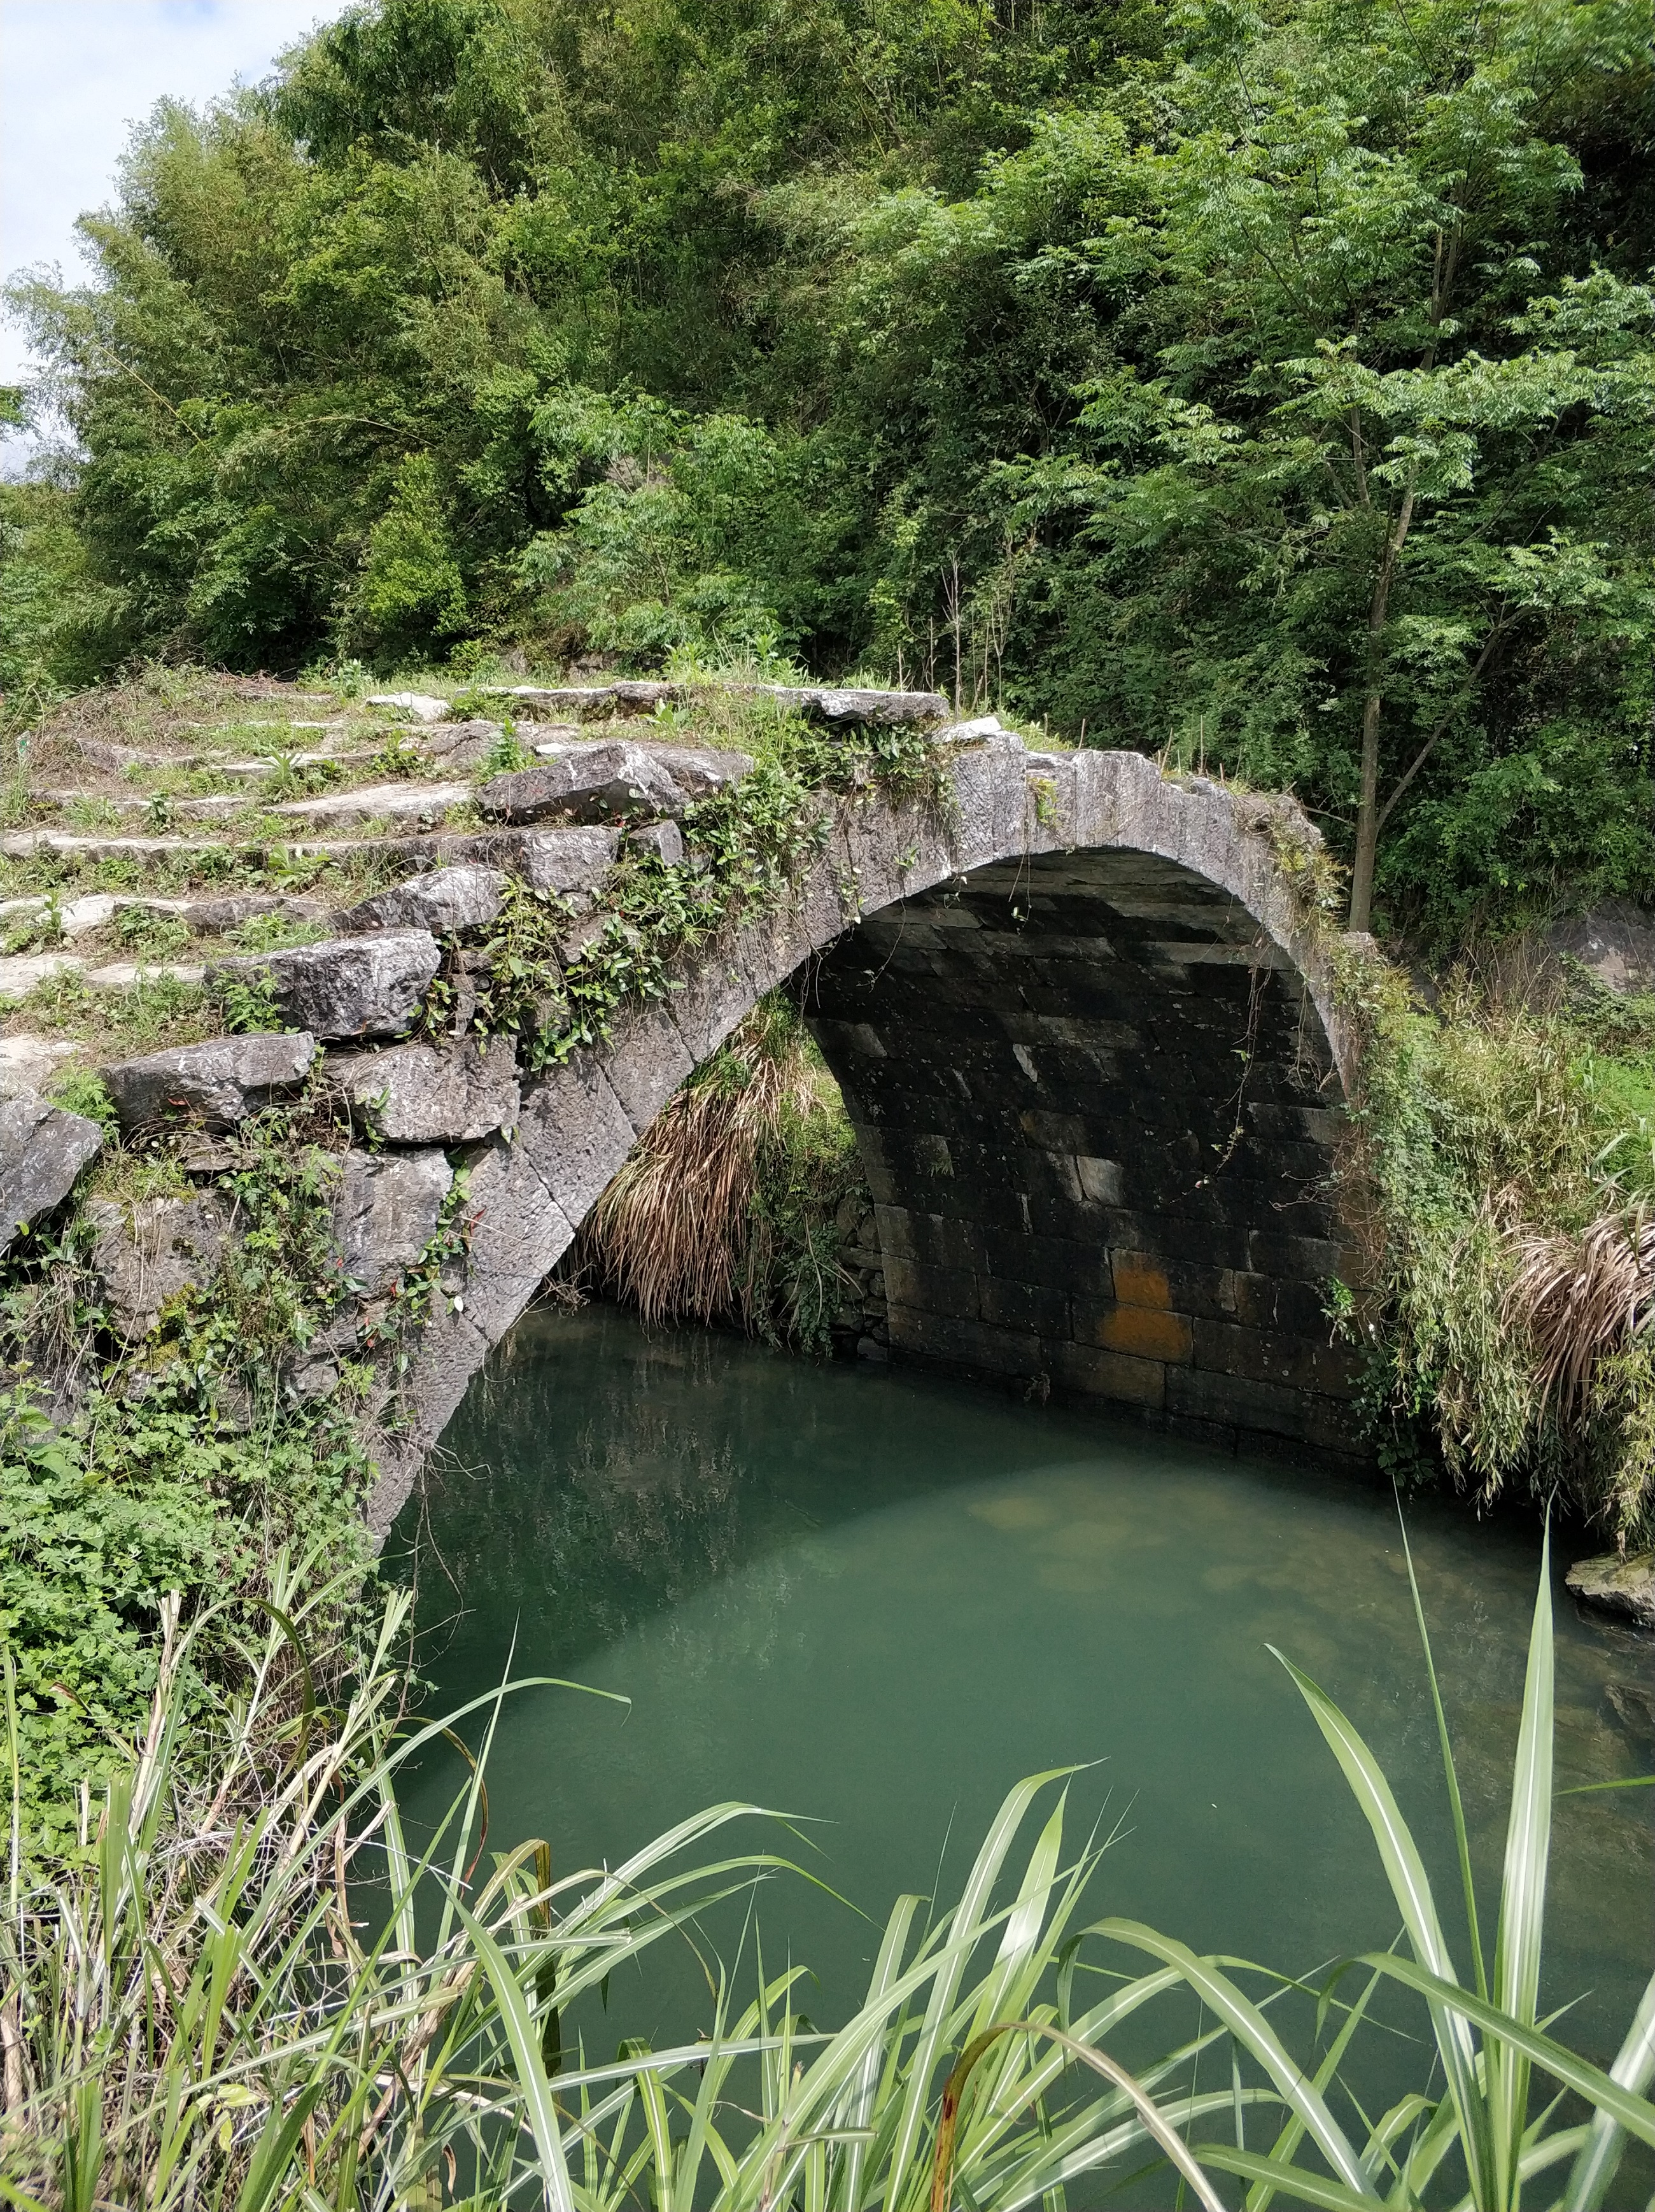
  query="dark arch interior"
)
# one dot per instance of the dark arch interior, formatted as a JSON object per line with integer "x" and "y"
{"x": 1096, "y": 1111}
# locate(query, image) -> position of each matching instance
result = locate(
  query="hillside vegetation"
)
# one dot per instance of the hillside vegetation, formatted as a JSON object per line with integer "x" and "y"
{"x": 1272, "y": 386}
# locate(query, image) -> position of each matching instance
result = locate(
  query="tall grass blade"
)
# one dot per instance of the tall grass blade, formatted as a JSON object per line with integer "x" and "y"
{"x": 1286, "y": 2180}
{"x": 1523, "y": 1893}
{"x": 1600, "y": 2155}
{"x": 1450, "y": 1774}
{"x": 532, "y": 2079}
{"x": 1247, "y": 2024}
{"x": 1634, "y": 2113}
{"x": 1411, "y": 1887}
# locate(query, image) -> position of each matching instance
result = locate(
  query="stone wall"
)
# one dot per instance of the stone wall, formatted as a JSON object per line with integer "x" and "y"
{"x": 1094, "y": 1104}
{"x": 1081, "y": 1014}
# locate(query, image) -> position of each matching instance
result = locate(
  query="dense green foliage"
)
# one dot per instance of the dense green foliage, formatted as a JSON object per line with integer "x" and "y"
{"x": 184, "y": 1461}
{"x": 1269, "y": 385}
{"x": 1504, "y": 1152}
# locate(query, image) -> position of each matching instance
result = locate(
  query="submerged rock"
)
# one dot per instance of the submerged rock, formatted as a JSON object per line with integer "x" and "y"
{"x": 211, "y": 1085}
{"x": 42, "y": 1150}
{"x": 1624, "y": 1586}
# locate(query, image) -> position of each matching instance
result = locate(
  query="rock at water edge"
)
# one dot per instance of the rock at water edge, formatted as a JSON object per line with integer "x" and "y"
{"x": 1625, "y": 1586}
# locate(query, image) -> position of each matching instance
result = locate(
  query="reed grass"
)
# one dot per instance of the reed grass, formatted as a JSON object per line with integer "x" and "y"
{"x": 725, "y": 1209}
{"x": 253, "y": 1991}
{"x": 1502, "y": 1165}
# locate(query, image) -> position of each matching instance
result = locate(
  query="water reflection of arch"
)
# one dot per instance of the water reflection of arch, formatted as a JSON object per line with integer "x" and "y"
{"x": 1087, "y": 1037}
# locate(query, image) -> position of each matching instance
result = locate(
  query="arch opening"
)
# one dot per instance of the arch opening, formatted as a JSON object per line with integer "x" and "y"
{"x": 1092, "y": 1098}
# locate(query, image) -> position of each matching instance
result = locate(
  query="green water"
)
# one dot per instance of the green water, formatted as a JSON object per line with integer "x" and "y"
{"x": 876, "y": 1600}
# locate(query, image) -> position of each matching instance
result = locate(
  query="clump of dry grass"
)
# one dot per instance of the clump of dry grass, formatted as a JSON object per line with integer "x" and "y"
{"x": 725, "y": 1210}
{"x": 1582, "y": 1299}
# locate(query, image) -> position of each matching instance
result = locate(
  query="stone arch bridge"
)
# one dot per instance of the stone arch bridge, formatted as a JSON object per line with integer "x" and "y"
{"x": 1088, "y": 1039}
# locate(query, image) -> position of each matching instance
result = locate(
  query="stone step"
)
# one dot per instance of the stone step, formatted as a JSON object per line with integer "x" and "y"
{"x": 25, "y": 971}
{"x": 271, "y": 766}
{"x": 501, "y": 847}
{"x": 212, "y": 809}
{"x": 599, "y": 702}
{"x": 102, "y": 752}
{"x": 388, "y": 802}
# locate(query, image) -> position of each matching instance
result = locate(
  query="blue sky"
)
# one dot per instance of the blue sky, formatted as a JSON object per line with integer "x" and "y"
{"x": 75, "y": 75}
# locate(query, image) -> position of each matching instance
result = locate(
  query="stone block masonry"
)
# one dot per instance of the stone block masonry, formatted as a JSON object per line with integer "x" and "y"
{"x": 1083, "y": 1019}
{"x": 1091, "y": 1096}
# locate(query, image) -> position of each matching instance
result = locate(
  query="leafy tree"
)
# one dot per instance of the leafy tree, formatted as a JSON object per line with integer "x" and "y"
{"x": 1268, "y": 387}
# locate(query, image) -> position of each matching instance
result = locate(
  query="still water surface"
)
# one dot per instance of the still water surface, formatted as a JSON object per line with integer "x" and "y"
{"x": 877, "y": 1599}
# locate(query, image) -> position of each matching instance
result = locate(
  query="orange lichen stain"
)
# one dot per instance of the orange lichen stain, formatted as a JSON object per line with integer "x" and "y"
{"x": 1139, "y": 1282}
{"x": 1146, "y": 1334}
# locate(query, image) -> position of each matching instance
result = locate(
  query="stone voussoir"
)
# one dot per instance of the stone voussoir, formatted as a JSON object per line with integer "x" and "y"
{"x": 212, "y": 1086}
{"x": 448, "y": 902}
{"x": 346, "y": 987}
{"x": 418, "y": 1094}
{"x": 385, "y": 1212}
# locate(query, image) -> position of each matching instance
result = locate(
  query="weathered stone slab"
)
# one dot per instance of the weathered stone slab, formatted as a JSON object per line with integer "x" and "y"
{"x": 382, "y": 802}
{"x": 567, "y": 861}
{"x": 207, "y": 916}
{"x": 1614, "y": 942}
{"x": 645, "y": 1063}
{"x": 448, "y": 902}
{"x": 1624, "y": 1586}
{"x": 348, "y": 986}
{"x": 460, "y": 745}
{"x": 518, "y": 1234}
{"x": 214, "y": 1085}
{"x": 147, "y": 1254}
{"x": 385, "y": 1212}
{"x": 42, "y": 1150}
{"x": 575, "y": 1132}
{"x": 413, "y": 1093}
{"x": 880, "y": 707}
{"x": 592, "y": 702}
{"x": 21, "y": 973}
{"x": 420, "y": 704}
{"x": 664, "y": 839}
{"x": 607, "y": 782}
{"x": 600, "y": 783}
{"x": 27, "y": 1063}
